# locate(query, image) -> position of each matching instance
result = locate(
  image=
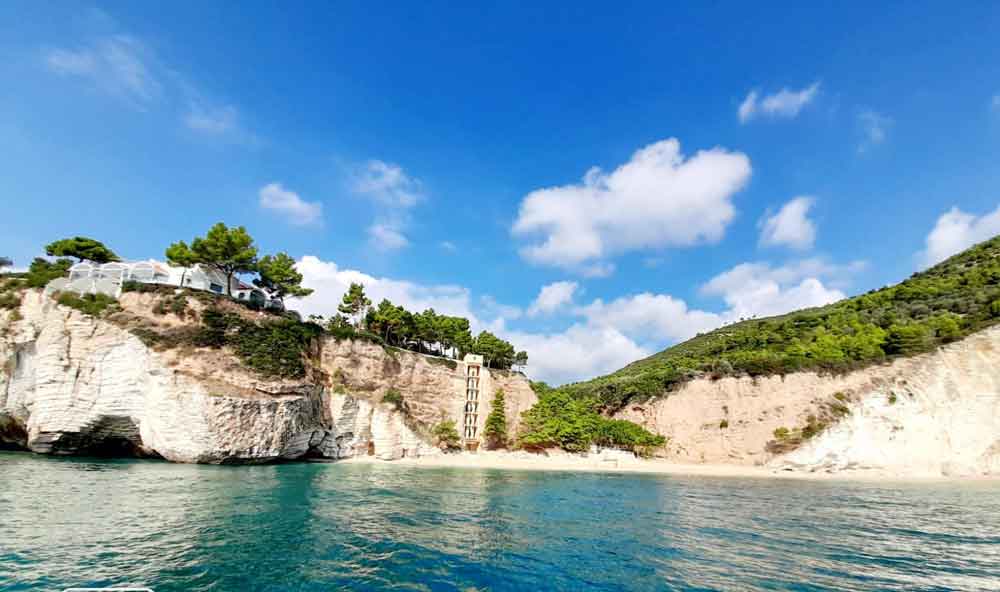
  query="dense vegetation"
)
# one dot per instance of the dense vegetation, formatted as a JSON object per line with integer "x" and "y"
{"x": 424, "y": 332}
{"x": 274, "y": 347}
{"x": 563, "y": 420}
{"x": 946, "y": 302}
{"x": 94, "y": 305}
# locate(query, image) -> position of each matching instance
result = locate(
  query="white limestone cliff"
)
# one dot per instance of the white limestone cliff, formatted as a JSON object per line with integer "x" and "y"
{"x": 71, "y": 384}
{"x": 928, "y": 415}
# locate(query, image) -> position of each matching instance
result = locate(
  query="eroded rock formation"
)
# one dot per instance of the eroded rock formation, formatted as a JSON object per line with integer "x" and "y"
{"x": 933, "y": 414}
{"x": 71, "y": 384}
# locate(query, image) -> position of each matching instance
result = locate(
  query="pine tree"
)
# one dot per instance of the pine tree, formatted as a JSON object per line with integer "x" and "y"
{"x": 496, "y": 422}
{"x": 355, "y": 304}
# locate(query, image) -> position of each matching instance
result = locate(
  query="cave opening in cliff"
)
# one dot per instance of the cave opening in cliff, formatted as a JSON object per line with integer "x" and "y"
{"x": 111, "y": 436}
{"x": 13, "y": 435}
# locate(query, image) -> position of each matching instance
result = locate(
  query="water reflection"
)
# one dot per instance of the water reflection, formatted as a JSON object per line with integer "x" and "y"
{"x": 321, "y": 526}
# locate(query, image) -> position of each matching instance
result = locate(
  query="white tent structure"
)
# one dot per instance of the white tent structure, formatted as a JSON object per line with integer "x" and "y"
{"x": 108, "y": 278}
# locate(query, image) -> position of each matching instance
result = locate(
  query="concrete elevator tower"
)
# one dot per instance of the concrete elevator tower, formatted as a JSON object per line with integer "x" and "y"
{"x": 470, "y": 425}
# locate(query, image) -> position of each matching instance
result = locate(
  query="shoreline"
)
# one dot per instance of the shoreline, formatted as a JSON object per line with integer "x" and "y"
{"x": 565, "y": 462}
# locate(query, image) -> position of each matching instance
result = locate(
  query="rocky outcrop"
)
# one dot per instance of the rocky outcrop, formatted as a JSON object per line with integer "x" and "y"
{"x": 933, "y": 414}
{"x": 71, "y": 384}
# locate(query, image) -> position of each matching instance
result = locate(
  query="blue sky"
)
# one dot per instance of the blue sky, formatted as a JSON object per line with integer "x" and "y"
{"x": 593, "y": 182}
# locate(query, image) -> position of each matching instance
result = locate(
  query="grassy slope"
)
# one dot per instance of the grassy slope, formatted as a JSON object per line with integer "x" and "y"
{"x": 946, "y": 302}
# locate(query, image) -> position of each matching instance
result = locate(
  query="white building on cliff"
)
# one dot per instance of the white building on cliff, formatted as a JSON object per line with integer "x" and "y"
{"x": 108, "y": 278}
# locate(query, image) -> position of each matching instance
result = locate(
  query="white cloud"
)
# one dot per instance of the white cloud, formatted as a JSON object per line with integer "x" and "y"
{"x": 386, "y": 238}
{"x": 330, "y": 282}
{"x": 579, "y": 352}
{"x": 552, "y": 297}
{"x": 288, "y": 203}
{"x": 608, "y": 335}
{"x": 874, "y": 129}
{"x": 956, "y": 231}
{"x": 791, "y": 226}
{"x": 388, "y": 184}
{"x": 123, "y": 66}
{"x": 394, "y": 193}
{"x": 491, "y": 307}
{"x": 757, "y": 289}
{"x": 448, "y": 246}
{"x": 118, "y": 65}
{"x": 650, "y": 317}
{"x": 785, "y": 103}
{"x": 995, "y": 102}
{"x": 658, "y": 198}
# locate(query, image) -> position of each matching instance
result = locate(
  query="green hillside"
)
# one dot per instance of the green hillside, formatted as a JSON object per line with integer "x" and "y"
{"x": 946, "y": 302}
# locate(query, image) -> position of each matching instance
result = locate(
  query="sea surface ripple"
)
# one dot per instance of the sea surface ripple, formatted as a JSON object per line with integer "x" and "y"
{"x": 321, "y": 526}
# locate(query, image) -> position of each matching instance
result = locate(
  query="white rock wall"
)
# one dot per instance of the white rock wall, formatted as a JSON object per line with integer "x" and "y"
{"x": 946, "y": 419}
{"x": 70, "y": 384}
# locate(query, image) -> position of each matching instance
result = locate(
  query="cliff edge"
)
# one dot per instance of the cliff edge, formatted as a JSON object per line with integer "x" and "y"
{"x": 74, "y": 384}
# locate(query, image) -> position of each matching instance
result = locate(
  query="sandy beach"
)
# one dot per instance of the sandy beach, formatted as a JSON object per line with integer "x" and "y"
{"x": 561, "y": 461}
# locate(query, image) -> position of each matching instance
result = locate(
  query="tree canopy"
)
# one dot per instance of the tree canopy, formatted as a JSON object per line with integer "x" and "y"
{"x": 354, "y": 304}
{"x": 279, "y": 277}
{"x": 81, "y": 248}
{"x": 230, "y": 250}
{"x": 5, "y": 262}
{"x": 495, "y": 429}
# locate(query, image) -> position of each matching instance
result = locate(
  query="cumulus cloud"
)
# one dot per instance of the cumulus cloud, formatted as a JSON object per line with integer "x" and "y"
{"x": 579, "y": 352}
{"x": 758, "y": 289}
{"x": 874, "y": 129}
{"x": 118, "y": 64}
{"x": 289, "y": 205}
{"x": 330, "y": 283}
{"x": 650, "y": 317}
{"x": 785, "y": 103}
{"x": 604, "y": 336}
{"x": 386, "y": 238}
{"x": 956, "y": 231}
{"x": 658, "y": 198}
{"x": 791, "y": 226}
{"x": 552, "y": 297}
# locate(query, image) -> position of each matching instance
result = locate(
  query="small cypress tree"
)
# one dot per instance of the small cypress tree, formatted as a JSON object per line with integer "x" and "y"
{"x": 496, "y": 422}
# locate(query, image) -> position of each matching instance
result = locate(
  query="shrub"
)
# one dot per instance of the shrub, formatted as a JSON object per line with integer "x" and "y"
{"x": 178, "y": 305}
{"x": 560, "y": 420}
{"x": 275, "y": 347}
{"x": 41, "y": 271}
{"x": 89, "y": 304}
{"x": 723, "y": 424}
{"x": 141, "y": 287}
{"x": 781, "y": 434}
{"x": 10, "y": 300}
{"x": 447, "y": 435}
{"x": 892, "y": 398}
{"x": 394, "y": 398}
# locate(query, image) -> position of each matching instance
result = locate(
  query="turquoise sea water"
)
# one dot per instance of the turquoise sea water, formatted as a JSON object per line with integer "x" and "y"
{"x": 81, "y": 522}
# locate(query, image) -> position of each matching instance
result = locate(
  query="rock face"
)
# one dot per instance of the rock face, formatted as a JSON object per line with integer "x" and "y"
{"x": 933, "y": 414}
{"x": 71, "y": 384}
